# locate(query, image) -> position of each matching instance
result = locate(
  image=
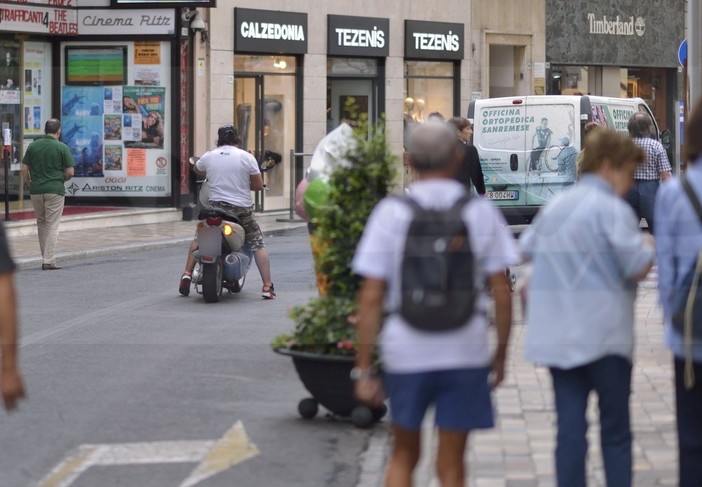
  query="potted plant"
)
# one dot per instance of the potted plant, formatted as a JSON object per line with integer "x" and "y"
{"x": 323, "y": 343}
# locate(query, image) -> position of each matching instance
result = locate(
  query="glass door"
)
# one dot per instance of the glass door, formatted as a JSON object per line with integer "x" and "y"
{"x": 248, "y": 92}
{"x": 264, "y": 107}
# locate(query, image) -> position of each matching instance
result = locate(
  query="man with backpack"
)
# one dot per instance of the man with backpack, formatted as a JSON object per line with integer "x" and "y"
{"x": 424, "y": 260}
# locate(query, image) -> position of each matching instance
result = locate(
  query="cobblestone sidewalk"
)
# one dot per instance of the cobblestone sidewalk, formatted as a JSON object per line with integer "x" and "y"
{"x": 519, "y": 451}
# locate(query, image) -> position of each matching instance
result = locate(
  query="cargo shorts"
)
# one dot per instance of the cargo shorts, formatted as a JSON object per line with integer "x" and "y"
{"x": 254, "y": 236}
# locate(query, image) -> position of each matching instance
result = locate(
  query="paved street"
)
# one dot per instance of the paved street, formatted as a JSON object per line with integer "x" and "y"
{"x": 112, "y": 354}
{"x": 124, "y": 359}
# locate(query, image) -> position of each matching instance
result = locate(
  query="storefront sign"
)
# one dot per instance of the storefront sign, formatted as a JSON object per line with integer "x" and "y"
{"x": 615, "y": 33}
{"x": 125, "y": 22}
{"x": 270, "y": 31}
{"x": 147, "y": 52}
{"x": 433, "y": 40}
{"x": 357, "y": 36}
{"x": 616, "y": 26}
{"x": 37, "y": 20}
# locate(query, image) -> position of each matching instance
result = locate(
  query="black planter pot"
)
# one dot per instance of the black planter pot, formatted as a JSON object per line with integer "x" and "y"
{"x": 326, "y": 377}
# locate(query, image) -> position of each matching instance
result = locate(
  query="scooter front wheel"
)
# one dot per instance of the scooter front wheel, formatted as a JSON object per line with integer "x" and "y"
{"x": 212, "y": 281}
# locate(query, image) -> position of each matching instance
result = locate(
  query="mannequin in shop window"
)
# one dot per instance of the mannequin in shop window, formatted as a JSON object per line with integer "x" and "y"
{"x": 407, "y": 109}
{"x": 418, "y": 115}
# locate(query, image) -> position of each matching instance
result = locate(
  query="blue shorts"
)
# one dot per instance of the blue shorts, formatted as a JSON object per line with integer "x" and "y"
{"x": 461, "y": 397}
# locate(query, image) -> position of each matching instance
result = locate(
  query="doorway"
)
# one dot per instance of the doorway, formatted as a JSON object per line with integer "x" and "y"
{"x": 507, "y": 70}
{"x": 264, "y": 111}
{"x": 353, "y": 90}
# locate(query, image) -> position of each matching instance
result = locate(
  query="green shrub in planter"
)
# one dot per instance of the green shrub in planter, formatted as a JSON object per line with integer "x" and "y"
{"x": 325, "y": 324}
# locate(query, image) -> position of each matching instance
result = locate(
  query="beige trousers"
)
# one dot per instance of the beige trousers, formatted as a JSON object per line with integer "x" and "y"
{"x": 48, "y": 208}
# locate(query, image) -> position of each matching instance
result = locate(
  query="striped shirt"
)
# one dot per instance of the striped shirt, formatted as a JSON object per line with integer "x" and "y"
{"x": 655, "y": 161}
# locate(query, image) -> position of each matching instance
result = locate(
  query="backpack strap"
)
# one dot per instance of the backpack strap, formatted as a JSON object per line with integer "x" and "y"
{"x": 460, "y": 203}
{"x": 689, "y": 371}
{"x": 692, "y": 196}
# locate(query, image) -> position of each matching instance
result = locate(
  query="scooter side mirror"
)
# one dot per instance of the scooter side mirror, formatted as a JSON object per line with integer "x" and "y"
{"x": 193, "y": 160}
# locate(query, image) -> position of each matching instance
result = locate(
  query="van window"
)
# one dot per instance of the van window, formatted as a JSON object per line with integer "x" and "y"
{"x": 613, "y": 116}
{"x": 551, "y": 124}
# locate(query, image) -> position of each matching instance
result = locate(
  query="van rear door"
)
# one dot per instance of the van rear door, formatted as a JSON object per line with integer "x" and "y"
{"x": 553, "y": 144}
{"x": 499, "y": 137}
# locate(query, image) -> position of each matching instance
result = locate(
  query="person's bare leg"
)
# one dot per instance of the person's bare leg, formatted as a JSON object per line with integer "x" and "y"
{"x": 450, "y": 461}
{"x": 404, "y": 457}
{"x": 264, "y": 266}
{"x": 186, "y": 278}
{"x": 190, "y": 261}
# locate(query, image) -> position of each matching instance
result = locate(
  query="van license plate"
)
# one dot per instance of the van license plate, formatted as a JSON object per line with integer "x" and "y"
{"x": 502, "y": 195}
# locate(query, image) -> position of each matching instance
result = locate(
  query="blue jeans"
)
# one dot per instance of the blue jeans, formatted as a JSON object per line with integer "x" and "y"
{"x": 688, "y": 406}
{"x": 641, "y": 198}
{"x": 610, "y": 377}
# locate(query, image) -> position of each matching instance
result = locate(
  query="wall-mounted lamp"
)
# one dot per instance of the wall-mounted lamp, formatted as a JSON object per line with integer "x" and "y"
{"x": 280, "y": 63}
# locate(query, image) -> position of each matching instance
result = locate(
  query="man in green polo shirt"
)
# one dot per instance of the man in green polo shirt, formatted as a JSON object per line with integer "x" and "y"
{"x": 47, "y": 164}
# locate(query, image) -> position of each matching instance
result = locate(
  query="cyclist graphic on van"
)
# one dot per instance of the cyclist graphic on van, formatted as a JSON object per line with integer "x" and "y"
{"x": 539, "y": 141}
{"x": 566, "y": 159}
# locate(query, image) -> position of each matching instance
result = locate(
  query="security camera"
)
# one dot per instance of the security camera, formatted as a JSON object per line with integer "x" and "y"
{"x": 188, "y": 15}
{"x": 198, "y": 25}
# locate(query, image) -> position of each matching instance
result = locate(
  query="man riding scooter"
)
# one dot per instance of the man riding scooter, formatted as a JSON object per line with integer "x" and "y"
{"x": 232, "y": 174}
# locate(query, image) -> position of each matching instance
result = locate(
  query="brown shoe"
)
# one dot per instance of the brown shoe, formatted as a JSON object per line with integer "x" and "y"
{"x": 50, "y": 267}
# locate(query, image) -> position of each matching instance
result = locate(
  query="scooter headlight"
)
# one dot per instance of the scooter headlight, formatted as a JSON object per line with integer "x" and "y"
{"x": 227, "y": 229}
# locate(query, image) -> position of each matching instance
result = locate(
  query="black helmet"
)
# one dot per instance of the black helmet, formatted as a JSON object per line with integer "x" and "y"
{"x": 228, "y": 135}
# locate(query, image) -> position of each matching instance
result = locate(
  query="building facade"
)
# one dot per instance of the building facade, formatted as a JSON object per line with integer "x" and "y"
{"x": 284, "y": 72}
{"x": 288, "y": 72}
{"x": 619, "y": 49}
{"x": 112, "y": 76}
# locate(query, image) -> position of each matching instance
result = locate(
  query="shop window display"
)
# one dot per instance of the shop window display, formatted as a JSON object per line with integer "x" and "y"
{"x": 429, "y": 88}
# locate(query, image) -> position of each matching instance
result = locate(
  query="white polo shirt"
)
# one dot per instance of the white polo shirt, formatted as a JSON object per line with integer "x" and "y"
{"x": 406, "y": 349}
{"x": 229, "y": 170}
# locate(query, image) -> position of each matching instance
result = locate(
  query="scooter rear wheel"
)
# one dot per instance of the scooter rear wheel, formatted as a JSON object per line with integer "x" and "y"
{"x": 212, "y": 281}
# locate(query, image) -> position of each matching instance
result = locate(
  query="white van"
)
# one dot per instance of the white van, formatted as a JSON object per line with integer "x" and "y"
{"x": 528, "y": 145}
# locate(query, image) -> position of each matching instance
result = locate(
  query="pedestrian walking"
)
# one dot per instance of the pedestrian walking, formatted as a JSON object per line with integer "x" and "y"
{"x": 440, "y": 356}
{"x": 678, "y": 241}
{"x": 469, "y": 171}
{"x": 587, "y": 256}
{"x": 656, "y": 167}
{"x": 46, "y": 165}
{"x": 11, "y": 387}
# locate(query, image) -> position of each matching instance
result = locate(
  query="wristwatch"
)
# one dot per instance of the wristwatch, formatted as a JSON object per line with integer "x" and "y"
{"x": 358, "y": 373}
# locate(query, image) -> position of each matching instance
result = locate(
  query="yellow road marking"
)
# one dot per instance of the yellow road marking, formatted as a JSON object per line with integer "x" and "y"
{"x": 69, "y": 470}
{"x": 233, "y": 448}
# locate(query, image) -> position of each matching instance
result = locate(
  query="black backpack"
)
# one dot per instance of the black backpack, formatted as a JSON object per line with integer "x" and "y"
{"x": 687, "y": 304}
{"x": 438, "y": 290}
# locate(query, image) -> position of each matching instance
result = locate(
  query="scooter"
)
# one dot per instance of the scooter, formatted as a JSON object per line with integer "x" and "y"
{"x": 222, "y": 258}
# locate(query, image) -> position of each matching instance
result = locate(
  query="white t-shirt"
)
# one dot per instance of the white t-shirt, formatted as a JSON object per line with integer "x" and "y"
{"x": 229, "y": 170}
{"x": 406, "y": 349}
